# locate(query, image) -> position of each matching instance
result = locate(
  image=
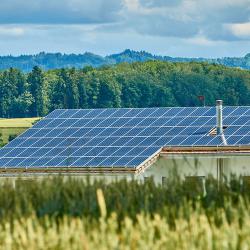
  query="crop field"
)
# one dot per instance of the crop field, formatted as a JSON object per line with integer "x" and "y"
{"x": 57, "y": 213}
{"x": 12, "y": 127}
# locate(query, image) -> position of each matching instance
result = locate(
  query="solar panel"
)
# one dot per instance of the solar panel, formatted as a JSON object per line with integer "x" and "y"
{"x": 120, "y": 137}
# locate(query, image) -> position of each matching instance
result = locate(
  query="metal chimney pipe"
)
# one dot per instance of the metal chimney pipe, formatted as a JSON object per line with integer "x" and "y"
{"x": 219, "y": 118}
{"x": 219, "y": 126}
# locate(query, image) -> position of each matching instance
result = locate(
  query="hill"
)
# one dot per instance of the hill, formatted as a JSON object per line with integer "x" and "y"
{"x": 57, "y": 60}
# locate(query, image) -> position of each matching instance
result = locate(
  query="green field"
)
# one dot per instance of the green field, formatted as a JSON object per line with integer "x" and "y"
{"x": 56, "y": 213}
{"x": 14, "y": 126}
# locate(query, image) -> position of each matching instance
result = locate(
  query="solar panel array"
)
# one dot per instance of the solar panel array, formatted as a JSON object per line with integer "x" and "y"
{"x": 119, "y": 137}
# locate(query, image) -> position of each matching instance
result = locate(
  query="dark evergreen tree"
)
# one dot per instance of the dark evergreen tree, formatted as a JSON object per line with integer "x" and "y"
{"x": 8, "y": 91}
{"x": 57, "y": 97}
{"x": 72, "y": 94}
{"x": 36, "y": 85}
{"x": 109, "y": 93}
{"x": 83, "y": 98}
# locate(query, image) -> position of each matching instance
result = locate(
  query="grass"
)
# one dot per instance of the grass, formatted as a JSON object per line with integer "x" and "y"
{"x": 17, "y": 122}
{"x": 57, "y": 213}
{"x": 14, "y": 126}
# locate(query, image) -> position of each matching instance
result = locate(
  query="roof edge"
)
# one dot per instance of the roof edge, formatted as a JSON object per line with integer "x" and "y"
{"x": 206, "y": 149}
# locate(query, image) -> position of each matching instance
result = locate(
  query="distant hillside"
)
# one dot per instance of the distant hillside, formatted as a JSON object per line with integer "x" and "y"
{"x": 58, "y": 60}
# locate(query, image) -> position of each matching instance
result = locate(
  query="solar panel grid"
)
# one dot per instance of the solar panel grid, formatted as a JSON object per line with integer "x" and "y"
{"x": 127, "y": 140}
{"x": 126, "y": 135}
{"x": 237, "y": 125}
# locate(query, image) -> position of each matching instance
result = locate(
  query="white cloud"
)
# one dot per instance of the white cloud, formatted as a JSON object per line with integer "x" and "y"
{"x": 99, "y": 25}
{"x": 170, "y": 18}
{"x": 201, "y": 40}
{"x": 186, "y": 18}
{"x": 241, "y": 30}
{"x": 11, "y": 31}
{"x": 132, "y": 5}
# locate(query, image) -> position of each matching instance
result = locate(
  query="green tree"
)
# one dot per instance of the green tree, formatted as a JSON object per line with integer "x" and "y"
{"x": 65, "y": 90}
{"x": 83, "y": 98}
{"x": 21, "y": 104}
{"x": 109, "y": 93}
{"x": 72, "y": 94}
{"x": 8, "y": 91}
{"x": 36, "y": 85}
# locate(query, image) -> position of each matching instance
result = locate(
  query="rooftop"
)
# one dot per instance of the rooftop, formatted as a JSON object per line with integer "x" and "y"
{"x": 122, "y": 138}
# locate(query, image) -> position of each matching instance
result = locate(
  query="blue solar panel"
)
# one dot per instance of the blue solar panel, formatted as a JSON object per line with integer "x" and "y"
{"x": 55, "y": 151}
{"x": 26, "y": 162}
{"x": 120, "y": 112}
{"x": 232, "y": 140}
{"x": 172, "y": 112}
{"x": 16, "y": 152}
{"x": 81, "y": 151}
{"x": 43, "y": 123}
{"x": 28, "y": 133}
{"x": 241, "y": 120}
{"x": 80, "y": 142}
{"x": 81, "y": 113}
{"x": 56, "y": 113}
{"x": 67, "y": 113}
{"x": 210, "y": 112}
{"x": 109, "y": 161}
{"x": 121, "y": 151}
{"x": 228, "y": 110}
{"x": 160, "y": 131}
{"x": 39, "y": 152}
{"x": 15, "y": 143}
{"x": 200, "y": 111}
{"x": 244, "y": 140}
{"x": 173, "y": 121}
{"x": 187, "y": 111}
{"x": 136, "y": 161}
{"x": 120, "y": 137}
{"x": 190, "y": 140}
{"x": 133, "y": 122}
{"x": 116, "y": 151}
{"x": 82, "y": 161}
{"x": 203, "y": 141}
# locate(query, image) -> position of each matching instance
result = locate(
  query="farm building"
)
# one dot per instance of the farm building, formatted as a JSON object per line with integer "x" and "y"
{"x": 134, "y": 142}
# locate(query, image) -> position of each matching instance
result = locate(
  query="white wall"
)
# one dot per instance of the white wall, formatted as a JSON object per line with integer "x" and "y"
{"x": 202, "y": 165}
{"x": 188, "y": 165}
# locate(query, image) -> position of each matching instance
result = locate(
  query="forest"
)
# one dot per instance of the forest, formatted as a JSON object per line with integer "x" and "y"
{"x": 139, "y": 84}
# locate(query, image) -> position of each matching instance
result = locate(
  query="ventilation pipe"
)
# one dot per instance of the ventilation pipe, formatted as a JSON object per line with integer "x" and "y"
{"x": 219, "y": 118}
{"x": 219, "y": 125}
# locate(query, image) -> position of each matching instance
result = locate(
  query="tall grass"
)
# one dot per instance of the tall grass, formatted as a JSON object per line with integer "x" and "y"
{"x": 76, "y": 214}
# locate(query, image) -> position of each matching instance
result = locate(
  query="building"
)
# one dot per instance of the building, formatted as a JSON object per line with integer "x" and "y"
{"x": 134, "y": 142}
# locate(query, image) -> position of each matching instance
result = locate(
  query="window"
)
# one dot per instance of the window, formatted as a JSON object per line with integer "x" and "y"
{"x": 163, "y": 181}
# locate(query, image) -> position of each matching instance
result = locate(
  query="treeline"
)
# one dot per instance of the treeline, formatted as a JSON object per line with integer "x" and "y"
{"x": 49, "y": 61}
{"x": 148, "y": 84}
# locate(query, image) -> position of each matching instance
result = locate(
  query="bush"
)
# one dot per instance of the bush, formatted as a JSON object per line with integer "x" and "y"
{"x": 12, "y": 137}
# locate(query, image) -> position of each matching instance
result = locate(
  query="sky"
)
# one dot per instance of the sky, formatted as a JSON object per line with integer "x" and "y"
{"x": 184, "y": 28}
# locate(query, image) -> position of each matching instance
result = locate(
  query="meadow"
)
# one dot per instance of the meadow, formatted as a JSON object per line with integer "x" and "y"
{"x": 15, "y": 126}
{"x": 59, "y": 213}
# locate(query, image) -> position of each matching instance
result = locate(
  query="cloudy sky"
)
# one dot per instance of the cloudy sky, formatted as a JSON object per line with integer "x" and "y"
{"x": 188, "y": 28}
